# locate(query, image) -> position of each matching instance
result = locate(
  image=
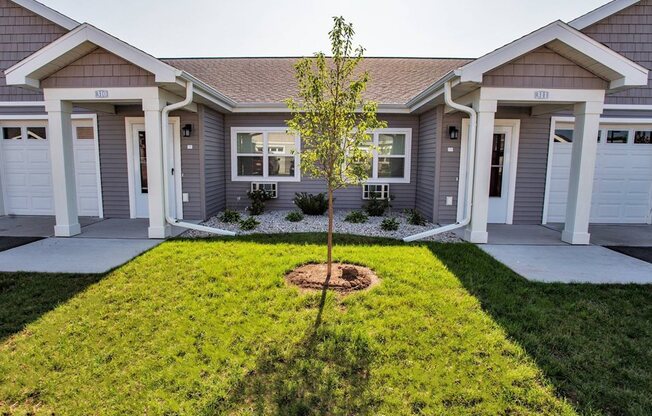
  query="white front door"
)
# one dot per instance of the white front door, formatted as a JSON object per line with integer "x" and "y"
{"x": 138, "y": 162}
{"x": 499, "y": 181}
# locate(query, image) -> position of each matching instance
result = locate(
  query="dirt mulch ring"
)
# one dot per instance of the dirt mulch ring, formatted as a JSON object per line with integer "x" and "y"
{"x": 346, "y": 278}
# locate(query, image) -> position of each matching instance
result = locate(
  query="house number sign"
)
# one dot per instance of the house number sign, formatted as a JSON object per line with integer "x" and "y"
{"x": 541, "y": 95}
{"x": 101, "y": 94}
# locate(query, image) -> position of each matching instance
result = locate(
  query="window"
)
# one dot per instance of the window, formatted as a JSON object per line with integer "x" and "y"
{"x": 85, "y": 133}
{"x": 497, "y": 166}
{"x": 391, "y": 159}
{"x": 617, "y": 136}
{"x": 36, "y": 133}
{"x": 269, "y": 187}
{"x": 264, "y": 153}
{"x": 643, "y": 137}
{"x": 563, "y": 136}
{"x": 380, "y": 190}
{"x": 12, "y": 133}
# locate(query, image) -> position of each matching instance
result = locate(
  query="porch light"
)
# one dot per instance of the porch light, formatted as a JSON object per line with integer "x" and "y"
{"x": 453, "y": 133}
{"x": 187, "y": 130}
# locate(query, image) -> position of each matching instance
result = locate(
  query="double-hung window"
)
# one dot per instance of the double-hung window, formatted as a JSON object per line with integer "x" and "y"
{"x": 259, "y": 154}
{"x": 391, "y": 156}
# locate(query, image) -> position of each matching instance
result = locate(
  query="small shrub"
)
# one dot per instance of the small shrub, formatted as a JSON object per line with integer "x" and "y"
{"x": 389, "y": 224}
{"x": 249, "y": 224}
{"x": 230, "y": 216}
{"x": 258, "y": 199}
{"x": 311, "y": 204}
{"x": 376, "y": 207}
{"x": 294, "y": 216}
{"x": 414, "y": 217}
{"x": 356, "y": 217}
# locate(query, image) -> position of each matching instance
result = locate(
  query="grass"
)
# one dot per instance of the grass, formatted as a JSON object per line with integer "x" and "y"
{"x": 210, "y": 327}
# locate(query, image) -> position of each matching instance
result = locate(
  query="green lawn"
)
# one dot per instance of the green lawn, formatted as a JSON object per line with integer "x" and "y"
{"x": 209, "y": 327}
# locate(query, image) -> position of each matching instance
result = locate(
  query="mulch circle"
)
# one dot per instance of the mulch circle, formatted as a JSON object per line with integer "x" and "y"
{"x": 346, "y": 278}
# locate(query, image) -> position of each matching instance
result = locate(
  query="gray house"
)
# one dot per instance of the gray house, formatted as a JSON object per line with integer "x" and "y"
{"x": 553, "y": 127}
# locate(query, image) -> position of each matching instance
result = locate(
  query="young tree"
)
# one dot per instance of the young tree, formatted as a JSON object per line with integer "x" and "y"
{"x": 332, "y": 118}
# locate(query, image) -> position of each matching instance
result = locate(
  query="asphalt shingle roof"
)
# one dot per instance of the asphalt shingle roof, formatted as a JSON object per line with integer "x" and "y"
{"x": 272, "y": 80}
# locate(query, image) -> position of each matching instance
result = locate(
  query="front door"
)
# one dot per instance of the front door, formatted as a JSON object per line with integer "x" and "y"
{"x": 139, "y": 167}
{"x": 500, "y": 175}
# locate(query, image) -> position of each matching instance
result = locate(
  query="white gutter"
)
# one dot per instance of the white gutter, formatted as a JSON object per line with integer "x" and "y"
{"x": 164, "y": 140}
{"x": 470, "y": 169}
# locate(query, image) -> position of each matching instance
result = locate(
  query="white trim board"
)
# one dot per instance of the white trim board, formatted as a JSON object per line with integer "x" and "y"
{"x": 601, "y": 13}
{"x": 515, "y": 125}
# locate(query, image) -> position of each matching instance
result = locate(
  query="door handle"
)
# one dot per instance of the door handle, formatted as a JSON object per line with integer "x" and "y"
{"x": 172, "y": 171}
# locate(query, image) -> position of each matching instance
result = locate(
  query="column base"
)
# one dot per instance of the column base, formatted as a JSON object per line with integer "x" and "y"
{"x": 159, "y": 232}
{"x": 476, "y": 237}
{"x": 67, "y": 230}
{"x": 575, "y": 238}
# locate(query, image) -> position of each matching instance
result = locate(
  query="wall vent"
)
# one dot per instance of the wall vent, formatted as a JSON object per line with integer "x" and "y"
{"x": 381, "y": 191}
{"x": 271, "y": 187}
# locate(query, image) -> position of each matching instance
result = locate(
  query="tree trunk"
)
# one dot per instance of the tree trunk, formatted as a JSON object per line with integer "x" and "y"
{"x": 329, "y": 261}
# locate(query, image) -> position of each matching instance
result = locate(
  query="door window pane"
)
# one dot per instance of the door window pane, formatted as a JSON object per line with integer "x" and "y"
{"x": 281, "y": 166}
{"x": 250, "y": 143}
{"x": 250, "y": 166}
{"x": 393, "y": 167}
{"x": 617, "y": 136}
{"x": 643, "y": 137}
{"x": 563, "y": 136}
{"x": 12, "y": 133}
{"x": 142, "y": 154}
{"x": 36, "y": 133}
{"x": 391, "y": 144}
{"x": 85, "y": 133}
{"x": 497, "y": 161}
{"x": 281, "y": 144}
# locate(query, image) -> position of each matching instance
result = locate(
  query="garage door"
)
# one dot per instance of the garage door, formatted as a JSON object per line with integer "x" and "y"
{"x": 26, "y": 170}
{"x": 622, "y": 187}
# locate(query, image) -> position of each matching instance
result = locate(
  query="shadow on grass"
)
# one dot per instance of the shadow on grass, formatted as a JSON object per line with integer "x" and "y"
{"x": 326, "y": 373}
{"x": 593, "y": 342}
{"x": 24, "y": 297}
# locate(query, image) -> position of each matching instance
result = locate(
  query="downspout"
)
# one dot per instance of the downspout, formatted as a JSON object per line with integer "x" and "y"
{"x": 166, "y": 169}
{"x": 468, "y": 200}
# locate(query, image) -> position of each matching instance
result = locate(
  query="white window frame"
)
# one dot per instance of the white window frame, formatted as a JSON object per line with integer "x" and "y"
{"x": 374, "y": 179}
{"x": 265, "y": 177}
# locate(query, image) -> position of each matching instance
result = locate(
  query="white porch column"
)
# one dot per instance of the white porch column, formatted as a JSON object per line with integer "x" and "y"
{"x": 63, "y": 168}
{"x": 580, "y": 189}
{"x": 476, "y": 231}
{"x": 158, "y": 226}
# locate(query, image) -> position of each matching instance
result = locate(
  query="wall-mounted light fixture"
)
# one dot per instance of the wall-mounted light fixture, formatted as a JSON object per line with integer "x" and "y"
{"x": 453, "y": 133}
{"x": 187, "y": 130}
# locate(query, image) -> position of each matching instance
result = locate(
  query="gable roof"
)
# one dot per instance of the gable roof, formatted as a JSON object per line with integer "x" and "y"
{"x": 272, "y": 80}
{"x": 48, "y": 13}
{"x": 601, "y": 13}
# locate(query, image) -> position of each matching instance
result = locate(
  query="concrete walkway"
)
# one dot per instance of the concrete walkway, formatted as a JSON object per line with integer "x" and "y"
{"x": 73, "y": 255}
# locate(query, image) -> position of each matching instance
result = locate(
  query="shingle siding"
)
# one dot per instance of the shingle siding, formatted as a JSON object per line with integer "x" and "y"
{"x": 99, "y": 68}
{"x": 22, "y": 33}
{"x": 628, "y": 32}
{"x": 214, "y": 155}
{"x": 348, "y": 198}
{"x": 543, "y": 68}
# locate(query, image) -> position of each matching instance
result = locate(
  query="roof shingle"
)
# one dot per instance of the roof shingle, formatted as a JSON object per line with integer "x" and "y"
{"x": 272, "y": 80}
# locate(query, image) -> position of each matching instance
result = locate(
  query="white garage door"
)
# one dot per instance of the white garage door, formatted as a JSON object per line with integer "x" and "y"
{"x": 26, "y": 172}
{"x": 622, "y": 187}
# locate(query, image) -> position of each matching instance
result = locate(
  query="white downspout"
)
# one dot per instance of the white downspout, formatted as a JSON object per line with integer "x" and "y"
{"x": 166, "y": 169}
{"x": 470, "y": 169}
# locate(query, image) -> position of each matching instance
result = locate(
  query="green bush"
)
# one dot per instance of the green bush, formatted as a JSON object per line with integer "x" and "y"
{"x": 230, "y": 216}
{"x": 389, "y": 224}
{"x": 311, "y": 204}
{"x": 294, "y": 216}
{"x": 376, "y": 207}
{"x": 258, "y": 199}
{"x": 249, "y": 224}
{"x": 414, "y": 217}
{"x": 356, "y": 217}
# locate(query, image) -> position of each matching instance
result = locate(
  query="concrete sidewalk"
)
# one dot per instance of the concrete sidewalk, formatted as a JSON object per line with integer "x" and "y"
{"x": 73, "y": 255}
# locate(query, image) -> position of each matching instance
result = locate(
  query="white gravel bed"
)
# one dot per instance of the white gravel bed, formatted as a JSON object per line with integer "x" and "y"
{"x": 274, "y": 222}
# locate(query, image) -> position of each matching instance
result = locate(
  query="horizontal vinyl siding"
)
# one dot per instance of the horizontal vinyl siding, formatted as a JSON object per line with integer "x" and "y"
{"x": 348, "y": 198}
{"x": 628, "y": 32}
{"x": 426, "y": 163}
{"x": 543, "y": 68}
{"x": 22, "y": 33}
{"x": 449, "y": 171}
{"x": 215, "y": 169}
{"x": 99, "y": 68}
{"x": 190, "y": 166}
